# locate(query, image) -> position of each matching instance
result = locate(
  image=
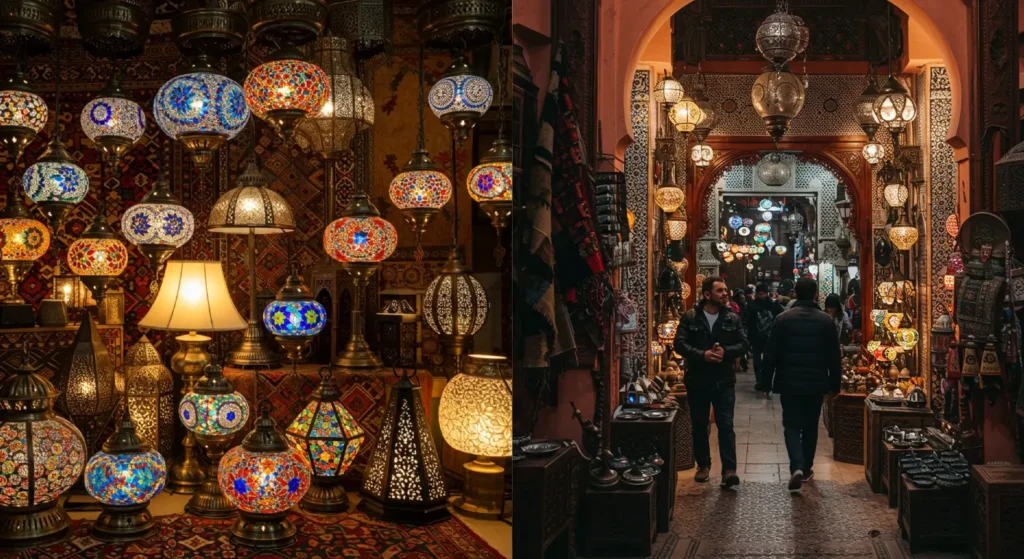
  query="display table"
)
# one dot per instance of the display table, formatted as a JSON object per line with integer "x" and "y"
{"x": 890, "y": 472}
{"x": 641, "y": 437}
{"x": 46, "y": 346}
{"x": 848, "y": 426}
{"x": 997, "y": 492}
{"x": 546, "y": 492}
{"x": 934, "y": 518}
{"x": 619, "y": 523}
{"x": 876, "y": 419}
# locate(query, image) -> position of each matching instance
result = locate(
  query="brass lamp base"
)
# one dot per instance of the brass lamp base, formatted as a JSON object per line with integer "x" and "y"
{"x": 157, "y": 254}
{"x": 358, "y": 355}
{"x": 253, "y": 351}
{"x": 484, "y": 493}
{"x": 418, "y": 218}
{"x": 123, "y": 524}
{"x": 186, "y": 475}
{"x": 56, "y": 212}
{"x": 285, "y": 120}
{"x": 499, "y": 212}
{"x": 326, "y": 495}
{"x": 210, "y": 501}
{"x": 263, "y": 530}
{"x": 201, "y": 147}
{"x": 98, "y": 285}
{"x": 32, "y": 526}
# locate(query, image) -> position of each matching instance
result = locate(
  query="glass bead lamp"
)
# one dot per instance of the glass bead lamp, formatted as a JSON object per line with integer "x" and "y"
{"x": 25, "y": 241}
{"x": 98, "y": 257}
{"x": 113, "y": 121}
{"x": 475, "y": 415}
{"x": 30, "y": 514}
{"x": 460, "y": 98}
{"x": 669, "y": 198}
{"x": 124, "y": 477}
{"x": 55, "y": 183}
{"x": 903, "y": 235}
{"x": 668, "y": 90}
{"x": 896, "y": 193}
{"x": 264, "y": 477}
{"x": 330, "y": 437}
{"x": 894, "y": 106}
{"x": 702, "y": 154}
{"x": 149, "y": 390}
{"x": 490, "y": 183}
{"x": 294, "y": 318}
{"x": 684, "y": 115}
{"x": 286, "y": 89}
{"x": 455, "y": 306}
{"x": 23, "y": 114}
{"x": 873, "y": 152}
{"x": 213, "y": 412}
{"x": 777, "y": 97}
{"x": 159, "y": 223}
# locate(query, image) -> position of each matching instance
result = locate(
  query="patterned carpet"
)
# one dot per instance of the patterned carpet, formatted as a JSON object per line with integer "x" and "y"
{"x": 349, "y": 536}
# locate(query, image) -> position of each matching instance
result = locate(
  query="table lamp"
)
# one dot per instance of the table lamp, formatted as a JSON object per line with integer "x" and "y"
{"x": 193, "y": 297}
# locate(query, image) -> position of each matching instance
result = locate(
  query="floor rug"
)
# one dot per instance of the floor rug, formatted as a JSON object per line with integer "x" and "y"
{"x": 348, "y": 536}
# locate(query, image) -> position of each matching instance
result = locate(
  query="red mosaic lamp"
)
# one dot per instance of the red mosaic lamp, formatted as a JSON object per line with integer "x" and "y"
{"x": 286, "y": 89}
{"x": 23, "y": 114}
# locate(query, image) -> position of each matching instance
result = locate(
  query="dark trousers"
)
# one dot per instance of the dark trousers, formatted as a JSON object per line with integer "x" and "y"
{"x": 758, "y": 380}
{"x": 800, "y": 414}
{"x": 723, "y": 399}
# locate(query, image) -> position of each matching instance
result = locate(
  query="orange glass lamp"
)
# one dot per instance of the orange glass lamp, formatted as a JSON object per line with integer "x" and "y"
{"x": 490, "y": 183}
{"x": 98, "y": 256}
{"x": 286, "y": 89}
{"x": 475, "y": 416}
{"x": 24, "y": 240}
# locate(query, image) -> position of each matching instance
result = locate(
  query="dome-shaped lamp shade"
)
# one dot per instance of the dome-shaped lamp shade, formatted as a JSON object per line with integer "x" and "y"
{"x": 55, "y": 180}
{"x": 202, "y": 110}
{"x": 330, "y": 436}
{"x": 896, "y": 193}
{"x": 113, "y": 117}
{"x": 246, "y": 208}
{"x": 491, "y": 182}
{"x": 97, "y": 257}
{"x": 421, "y": 189}
{"x": 669, "y": 198}
{"x": 894, "y": 107}
{"x": 360, "y": 239}
{"x": 213, "y": 414}
{"x": 460, "y": 98}
{"x": 684, "y": 115}
{"x": 23, "y": 109}
{"x": 149, "y": 389}
{"x": 24, "y": 239}
{"x": 349, "y": 107}
{"x": 158, "y": 224}
{"x": 125, "y": 479}
{"x": 283, "y": 91}
{"x": 777, "y": 97}
{"x": 50, "y": 469}
{"x": 903, "y": 235}
{"x": 455, "y": 304}
{"x": 475, "y": 412}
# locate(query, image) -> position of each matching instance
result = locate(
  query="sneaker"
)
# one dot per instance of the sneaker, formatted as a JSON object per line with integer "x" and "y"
{"x": 808, "y": 476}
{"x": 796, "y": 480}
{"x": 703, "y": 474}
{"x": 730, "y": 479}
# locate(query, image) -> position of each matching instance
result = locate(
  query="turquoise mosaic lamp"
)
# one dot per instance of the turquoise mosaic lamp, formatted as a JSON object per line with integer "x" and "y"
{"x": 294, "y": 318}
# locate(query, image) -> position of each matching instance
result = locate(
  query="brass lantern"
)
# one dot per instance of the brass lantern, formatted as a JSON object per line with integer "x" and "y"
{"x": 367, "y": 24}
{"x": 873, "y": 152}
{"x": 455, "y": 306}
{"x": 461, "y": 23}
{"x": 115, "y": 28}
{"x": 777, "y": 96}
{"x": 685, "y": 115}
{"x": 894, "y": 106}
{"x": 89, "y": 385}
{"x": 864, "y": 110}
{"x": 780, "y": 37}
{"x": 150, "y": 393}
{"x": 773, "y": 170}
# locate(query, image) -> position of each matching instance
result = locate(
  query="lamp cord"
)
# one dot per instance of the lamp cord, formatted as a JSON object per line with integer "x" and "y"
{"x": 56, "y": 105}
{"x": 421, "y": 137}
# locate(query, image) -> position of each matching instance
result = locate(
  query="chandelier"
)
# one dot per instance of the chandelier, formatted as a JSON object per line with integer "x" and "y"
{"x": 286, "y": 89}
{"x": 894, "y": 106}
{"x": 685, "y": 115}
{"x": 773, "y": 171}
{"x": 460, "y": 98}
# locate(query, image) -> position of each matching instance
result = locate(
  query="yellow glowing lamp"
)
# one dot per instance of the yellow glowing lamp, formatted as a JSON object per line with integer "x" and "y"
{"x": 685, "y": 115}
{"x": 669, "y": 198}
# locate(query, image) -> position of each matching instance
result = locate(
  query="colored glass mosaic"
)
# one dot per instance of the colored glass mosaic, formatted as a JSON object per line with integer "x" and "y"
{"x": 465, "y": 93}
{"x": 97, "y": 257}
{"x": 158, "y": 224}
{"x": 421, "y": 189}
{"x": 24, "y": 239}
{"x": 264, "y": 482}
{"x": 125, "y": 479}
{"x": 213, "y": 414}
{"x": 286, "y": 84}
{"x": 52, "y": 181}
{"x": 735, "y": 221}
{"x": 57, "y": 459}
{"x": 201, "y": 102}
{"x": 360, "y": 239}
{"x": 328, "y": 435}
{"x": 295, "y": 318}
{"x": 23, "y": 108}
{"x": 113, "y": 117}
{"x": 491, "y": 182}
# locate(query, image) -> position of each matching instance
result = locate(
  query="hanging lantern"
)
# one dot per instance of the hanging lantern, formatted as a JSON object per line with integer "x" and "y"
{"x": 773, "y": 170}
{"x": 684, "y": 115}
{"x": 941, "y": 334}
{"x": 769, "y": 244}
{"x": 330, "y": 437}
{"x": 367, "y": 24}
{"x": 777, "y": 97}
{"x": 669, "y": 198}
{"x": 903, "y": 235}
{"x": 98, "y": 257}
{"x": 25, "y": 240}
{"x": 124, "y": 477}
{"x": 668, "y": 90}
{"x": 149, "y": 388}
{"x": 455, "y": 305}
{"x": 780, "y": 37}
{"x": 750, "y": 266}
{"x": 894, "y": 107}
{"x": 735, "y": 221}
{"x": 70, "y": 289}
{"x": 864, "y": 112}
{"x": 159, "y": 223}
{"x": 708, "y": 113}
{"x": 113, "y": 121}
{"x": 90, "y": 386}
{"x": 285, "y": 89}
{"x": 907, "y": 338}
{"x": 55, "y": 183}
{"x": 680, "y": 268}
{"x": 294, "y": 22}
{"x": 630, "y": 219}
{"x": 780, "y": 250}
{"x": 460, "y": 98}
{"x": 114, "y": 28}
{"x": 949, "y": 281}
{"x": 23, "y": 113}
{"x": 873, "y": 152}
{"x": 30, "y": 27}
{"x": 490, "y": 183}
{"x": 294, "y": 318}
{"x": 896, "y": 193}
{"x": 675, "y": 226}
{"x": 702, "y": 154}
{"x": 686, "y": 291}
{"x": 404, "y": 451}
{"x": 722, "y": 246}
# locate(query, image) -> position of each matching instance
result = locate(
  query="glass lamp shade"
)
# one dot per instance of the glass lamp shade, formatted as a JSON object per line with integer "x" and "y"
{"x": 864, "y": 109}
{"x": 283, "y": 91}
{"x": 892, "y": 321}
{"x": 684, "y": 115}
{"x": 675, "y": 227}
{"x": 702, "y": 154}
{"x": 894, "y": 107}
{"x": 360, "y": 239}
{"x": 23, "y": 109}
{"x": 491, "y": 180}
{"x": 326, "y": 433}
{"x": 213, "y": 414}
{"x": 455, "y": 304}
{"x": 953, "y": 225}
{"x": 773, "y": 170}
{"x": 202, "y": 110}
{"x": 903, "y": 235}
{"x": 896, "y": 194}
{"x": 744, "y": 231}
{"x": 251, "y": 207}
{"x": 668, "y": 90}
{"x": 428, "y": 189}
{"x": 475, "y": 412}
{"x": 777, "y": 96}
{"x": 669, "y": 198}
{"x": 170, "y": 225}
{"x": 55, "y": 177}
{"x": 780, "y": 250}
{"x": 97, "y": 257}
{"x": 149, "y": 388}
{"x": 460, "y": 97}
{"x": 294, "y": 318}
{"x": 125, "y": 479}
{"x": 873, "y": 152}
{"x": 949, "y": 281}
{"x": 907, "y": 338}
{"x": 56, "y": 461}
{"x": 26, "y": 240}
{"x": 264, "y": 475}
{"x": 113, "y": 118}
{"x": 349, "y": 107}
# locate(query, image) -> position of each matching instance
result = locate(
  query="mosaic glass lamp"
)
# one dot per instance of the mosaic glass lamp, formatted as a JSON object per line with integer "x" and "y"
{"x": 903, "y": 235}
{"x": 475, "y": 415}
{"x": 460, "y": 98}
{"x": 113, "y": 121}
{"x": 294, "y": 318}
{"x": 777, "y": 97}
{"x": 684, "y": 115}
{"x": 23, "y": 114}
{"x": 490, "y": 183}
{"x": 98, "y": 256}
{"x": 873, "y": 152}
{"x": 149, "y": 388}
{"x": 330, "y": 438}
{"x": 896, "y": 193}
{"x": 90, "y": 386}
{"x": 455, "y": 306}
{"x": 30, "y": 514}
{"x": 285, "y": 89}
{"x": 201, "y": 109}
{"x": 669, "y": 198}
{"x": 668, "y": 90}
{"x": 25, "y": 240}
{"x": 702, "y": 154}
{"x": 894, "y": 106}
{"x": 124, "y": 477}
{"x": 159, "y": 223}
{"x": 675, "y": 226}
{"x": 403, "y": 480}
{"x": 264, "y": 477}
{"x": 55, "y": 183}
{"x": 214, "y": 412}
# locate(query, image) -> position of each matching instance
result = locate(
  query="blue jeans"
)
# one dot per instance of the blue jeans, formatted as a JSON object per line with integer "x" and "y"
{"x": 723, "y": 399}
{"x": 800, "y": 414}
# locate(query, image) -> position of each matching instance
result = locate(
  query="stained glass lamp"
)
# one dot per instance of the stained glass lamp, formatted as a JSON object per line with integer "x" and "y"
{"x": 675, "y": 226}
{"x": 90, "y": 386}
{"x": 149, "y": 389}
{"x": 490, "y": 183}
{"x": 285, "y": 89}
{"x": 23, "y": 114}
{"x": 124, "y": 477}
{"x": 702, "y": 154}
{"x": 455, "y": 306}
{"x": 475, "y": 415}
{"x": 294, "y": 318}
{"x": 330, "y": 437}
{"x": 33, "y": 477}
{"x": 98, "y": 256}
{"x": 25, "y": 241}
{"x": 264, "y": 478}
{"x": 201, "y": 109}
{"x": 460, "y": 98}
{"x": 894, "y": 107}
{"x": 403, "y": 480}
{"x": 669, "y": 198}
{"x": 55, "y": 183}
{"x": 159, "y": 223}
{"x": 113, "y": 121}
{"x": 214, "y": 412}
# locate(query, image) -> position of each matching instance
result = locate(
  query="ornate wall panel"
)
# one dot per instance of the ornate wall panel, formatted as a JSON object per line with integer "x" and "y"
{"x": 636, "y": 167}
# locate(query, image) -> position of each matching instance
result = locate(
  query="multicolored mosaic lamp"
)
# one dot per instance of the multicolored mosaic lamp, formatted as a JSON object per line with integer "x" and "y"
{"x": 214, "y": 411}
{"x": 55, "y": 183}
{"x": 25, "y": 240}
{"x": 460, "y": 98}
{"x": 330, "y": 437}
{"x": 264, "y": 478}
{"x": 490, "y": 183}
{"x": 124, "y": 477}
{"x": 294, "y": 318}
{"x": 113, "y": 121}
{"x": 286, "y": 89}
{"x": 98, "y": 256}
{"x": 41, "y": 457}
{"x": 149, "y": 389}
{"x": 23, "y": 114}
{"x": 159, "y": 223}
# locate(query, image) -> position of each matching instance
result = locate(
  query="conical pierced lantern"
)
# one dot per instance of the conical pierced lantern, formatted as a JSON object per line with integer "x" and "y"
{"x": 149, "y": 388}
{"x": 460, "y": 98}
{"x": 55, "y": 182}
{"x": 90, "y": 386}
{"x": 455, "y": 306}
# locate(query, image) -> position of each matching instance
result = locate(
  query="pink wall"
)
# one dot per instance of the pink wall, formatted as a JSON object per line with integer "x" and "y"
{"x": 574, "y": 385}
{"x": 532, "y": 30}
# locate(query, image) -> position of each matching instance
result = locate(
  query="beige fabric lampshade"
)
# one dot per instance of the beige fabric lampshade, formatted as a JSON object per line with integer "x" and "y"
{"x": 193, "y": 297}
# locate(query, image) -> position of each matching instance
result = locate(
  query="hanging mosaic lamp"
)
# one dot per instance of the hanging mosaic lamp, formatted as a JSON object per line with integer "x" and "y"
{"x": 124, "y": 477}
{"x": 780, "y": 250}
{"x": 669, "y": 198}
{"x": 490, "y": 183}
{"x": 769, "y": 244}
{"x": 264, "y": 477}
{"x": 460, "y": 98}
{"x": 953, "y": 225}
{"x": 159, "y": 223}
{"x": 330, "y": 437}
{"x": 44, "y": 456}
{"x": 896, "y": 193}
{"x": 722, "y": 246}
{"x": 294, "y": 318}
{"x": 701, "y": 154}
{"x": 684, "y": 115}
{"x": 903, "y": 235}
{"x": 873, "y": 152}
{"x": 23, "y": 114}
{"x": 404, "y": 451}
{"x": 907, "y": 338}
{"x": 675, "y": 226}
{"x": 773, "y": 170}
{"x": 25, "y": 240}
{"x": 894, "y": 106}
{"x": 149, "y": 390}
{"x": 98, "y": 256}
{"x": 113, "y": 121}
{"x": 285, "y": 89}
{"x": 777, "y": 97}
{"x": 55, "y": 183}
{"x": 90, "y": 386}
{"x": 668, "y": 90}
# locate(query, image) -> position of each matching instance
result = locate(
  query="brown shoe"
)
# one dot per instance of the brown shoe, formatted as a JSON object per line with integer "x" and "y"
{"x": 703, "y": 474}
{"x": 730, "y": 479}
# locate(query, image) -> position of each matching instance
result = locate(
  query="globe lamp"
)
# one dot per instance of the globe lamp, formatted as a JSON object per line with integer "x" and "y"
{"x": 113, "y": 121}
{"x": 98, "y": 256}
{"x": 684, "y": 115}
{"x": 490, "y": 183}
{"x": 668, "y": 90}
{"x": 55, "y": 183}
{"x": 25, "y": 240}
{"x": 777, "y": 97}
{"x": 455, "y": 306}
{"x": 460, "y": 98}
{"x": 873, "y": 152}
{"x": 903, "y": 235}
{"x": 896, "y": 193}
{"x": 894, "y": 107}
{"x": 159, "y": 223}
{"x": 286, "y": 89}
{"x": 23, "y": 114}
{"x": 294, "y": 318}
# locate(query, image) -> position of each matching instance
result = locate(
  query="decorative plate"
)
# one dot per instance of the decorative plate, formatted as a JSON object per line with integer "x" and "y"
{"x": 655, "y": 414}
{"x": 544, "y": 448}
{"x": 628, "y": 415}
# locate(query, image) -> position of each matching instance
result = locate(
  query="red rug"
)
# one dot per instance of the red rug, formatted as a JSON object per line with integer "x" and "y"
{"x": 352, "y": 535}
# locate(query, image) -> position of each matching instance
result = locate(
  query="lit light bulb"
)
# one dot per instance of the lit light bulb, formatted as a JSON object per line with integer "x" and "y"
{"x": 328, "y": 109}
{"x": 197, "y": 104}
{"x": 193, "y": 291}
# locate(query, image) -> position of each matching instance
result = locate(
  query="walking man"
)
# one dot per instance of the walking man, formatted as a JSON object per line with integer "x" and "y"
{"x": 761, "y": 313}
{"x": 711, "y": 337}
{"x": 802, "y": 363}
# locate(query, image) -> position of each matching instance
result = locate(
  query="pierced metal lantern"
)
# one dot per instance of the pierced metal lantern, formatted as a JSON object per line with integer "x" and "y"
{"x": 460, "y": 98}
{"x": 209, "y": 27}
{"x": 149, "y": 389}
{"x": 773, "y": 170}
{"x": 668, "y": 90}
{"x": 903, "y": 235}
{"x": 873, "y": 152}
{"x": 490, "y": 183}
{"x": 330, "y": 437}
{"x": 864, "y": 109}
{"x": 159, "y": 223}
{"x": 894, "y": 106}
{"x": 295, "y": 22}
{"x": 349, "y": 108}
{"x": 367, "y": 24}
{"x": 403, "y": 480}
{"x": 98, "y": 257}
{"x": 461, "y": 23}
{"x": 777, "y": 96}
{"x": 90, "y": 386}
{"x": 779, "y": 38}
{"x": 294, "y": 318}
{"x": 455, "y": 305}
{"x": 55, "y": 182}
{"x": 43, "y": 455}
{"x": 23, "y": 114}
{"x": 113, "y": 121}
{"x": 702, "y": 154}
{"x": 285, "y": 89}
{"x": 30, "y": 26}
{"x": 115, "y": 28}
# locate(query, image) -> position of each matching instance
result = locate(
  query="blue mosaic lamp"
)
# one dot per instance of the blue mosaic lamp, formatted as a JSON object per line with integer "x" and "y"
{"x": 55, "y": 183}
{"x": 124, "y": 477}
{"x": 294, "y": 318}
{"x": 113, "y": 121}
{"x": 158, "y": 224}
{"x": 460, "y": 98}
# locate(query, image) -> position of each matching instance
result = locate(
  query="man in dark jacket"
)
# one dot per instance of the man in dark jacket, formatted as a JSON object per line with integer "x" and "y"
{"x": 802, "y": 363}
{"x": 711, "y": 337}
{"x": 761, "y": 313}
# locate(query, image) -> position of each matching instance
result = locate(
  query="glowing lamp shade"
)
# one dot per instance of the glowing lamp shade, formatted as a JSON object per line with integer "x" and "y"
{"x": 684, "y": 115}
{"x": 113, "y": 117}
{"x": 903, "y": 236}
{"x": 349, "y": 107}
{"x": 667, "y": 330}
{"x": 202, "y": 110}
{"x": 23, "y": 109}
{"x": 294, "y": 318}
{"x": 55, "y": 179}
{"x": 668, "y": 90}
{"x": 894, "y": 107}
{"x": 896, "y": 194}
{"x": 25, "y": 239}
{"x": 669, "y": 198}
{"x": 423, "y": 189}
{"x": 656, "y": 348}
{"x": 360, "y": 239}
{"x": 455, "y": 304}
{"x": 460, "y": 98}
{"x": 892, "y": 321}
{"x": 702, "y": 154}
{"x": 491, "y": 181}
{"x": 160, "y": 224}
{"x": 97, "y": 257}
{"x": 953, "y": 225}
{"x": 193, "y": 296}
{"x": 125, "y": 479}
{"x": 213, "y": 414}
{"x": 251, "y": 208}
{"x": 286, "y": 85}
{"x": 907, "y": 338}
{"x": 873, "y": 152}
{"x": 949, "y": 281}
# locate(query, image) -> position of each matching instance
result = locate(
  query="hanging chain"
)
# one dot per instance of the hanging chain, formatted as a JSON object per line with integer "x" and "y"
{"x": 421, "y": 138}
{"x": 56, "y": 106}
{"x": 455, "y": 198}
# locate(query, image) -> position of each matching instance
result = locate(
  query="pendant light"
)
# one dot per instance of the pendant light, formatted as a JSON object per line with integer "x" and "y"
{"x": 460, "y": 98}
{"x": 25, "y": 241}
{"x": 668, "y": 90}
{"x": 98, "y": 256}
{"x": 286, "y": 89}
{"x": 894, "y": 106}
{"x": 23, "y": 114}
{"x": 295, "y": 317}
{"x": 903, "y": 235}
{"x": 113, "y": 121}
{"x": 708, "y": 113}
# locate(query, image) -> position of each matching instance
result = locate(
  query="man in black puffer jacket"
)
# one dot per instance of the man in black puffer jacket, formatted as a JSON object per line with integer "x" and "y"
{"x": 802, "y": 363}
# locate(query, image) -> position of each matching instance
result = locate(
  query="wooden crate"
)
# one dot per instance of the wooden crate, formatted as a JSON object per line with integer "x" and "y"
{"x": 890, "y": 473}
{"x": 619, "y": 523}
{"x": 848, "y": 426}
{"x": 934, "y": 518}
{"x": 637, "y": 438}
{"x": 997, "y": 492}
{"x": 876, "y": 419}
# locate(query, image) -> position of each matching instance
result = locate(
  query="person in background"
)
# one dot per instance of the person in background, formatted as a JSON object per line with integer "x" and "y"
{"x": 834, "y": 308}
{"x": 802, "y": 363}
{"x": 710, "y": 337}
{"x": 760, "y": 316}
